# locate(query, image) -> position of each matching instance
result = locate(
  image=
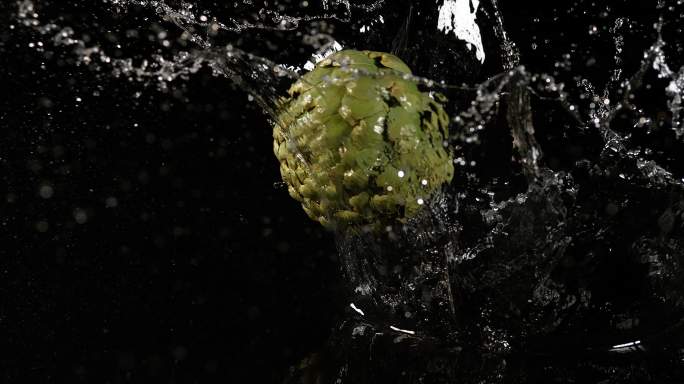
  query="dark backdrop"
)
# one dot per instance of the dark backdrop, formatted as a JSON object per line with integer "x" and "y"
{"x": 145, "y": 235}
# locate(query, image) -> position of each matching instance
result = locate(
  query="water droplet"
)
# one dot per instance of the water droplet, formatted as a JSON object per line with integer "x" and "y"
{"x": 80, "y": 216}
{"x": 46, "y": 191}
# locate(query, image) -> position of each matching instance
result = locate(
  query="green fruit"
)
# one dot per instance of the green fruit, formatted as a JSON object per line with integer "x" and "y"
{"x": 359, "y": 143}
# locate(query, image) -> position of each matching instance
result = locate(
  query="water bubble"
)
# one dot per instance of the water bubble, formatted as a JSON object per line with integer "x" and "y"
{"x": 111, "y": 202}
{"x": 42, "y": 226}
{"x": 46, "y": 191}
{"x": 80, "y": 215}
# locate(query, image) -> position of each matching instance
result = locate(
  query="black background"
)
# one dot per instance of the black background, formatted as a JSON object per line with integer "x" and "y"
{"x": 204, "y": 269}
{"x": 193, "y": 264}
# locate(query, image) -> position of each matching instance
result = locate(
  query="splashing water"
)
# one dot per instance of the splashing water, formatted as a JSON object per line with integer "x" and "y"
{"x": 259, "y": 75}
{"x": 535, "y": 215}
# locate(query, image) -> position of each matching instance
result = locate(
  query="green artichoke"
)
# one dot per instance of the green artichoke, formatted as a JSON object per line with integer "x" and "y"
{"x": 359, "y": 143}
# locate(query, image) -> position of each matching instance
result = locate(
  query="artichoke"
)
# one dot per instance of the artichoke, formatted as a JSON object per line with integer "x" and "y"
{"x": 359, "y": 143}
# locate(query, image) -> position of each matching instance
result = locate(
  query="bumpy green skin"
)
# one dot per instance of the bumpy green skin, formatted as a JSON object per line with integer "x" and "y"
{"x": 359, "y": 144}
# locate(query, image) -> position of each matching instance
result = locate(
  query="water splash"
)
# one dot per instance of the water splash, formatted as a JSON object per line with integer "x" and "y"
{"x": 458, "y": 16}
{"x": 256, "y": 74}
{"x": 675, "y": 89}
{"x": 515, "y": 86}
